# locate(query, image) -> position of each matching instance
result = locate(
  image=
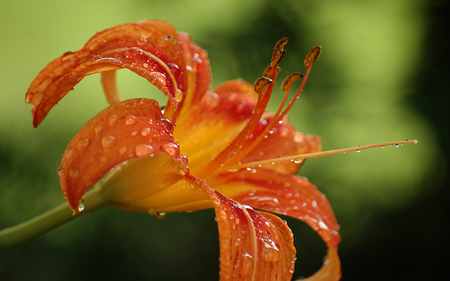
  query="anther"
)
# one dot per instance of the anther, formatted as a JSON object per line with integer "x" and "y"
{"x": 261, "y": 82}
{"x": 268, "y": 72}
{"x": 278, "y": 52}
{"x": 312, "y": 56}
{"x": 291, "y": 78}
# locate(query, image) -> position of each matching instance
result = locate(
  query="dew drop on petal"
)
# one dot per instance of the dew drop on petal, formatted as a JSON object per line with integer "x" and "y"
{"x": 130, "y": 119}
{"x": 122, "y": 150}
{"x": 82, "y": 144}
{"x": 108, "y": 141}
{"x": 103, "y": 159}
{"x": 81, "y": 206}
{"x": 211, "y": 100}
{"x": 160, "y": 215}
{"x": 146, "y": 132}
{"x": 184, "y": 159}
{"x": 98, "y": 130}
{"x": 74, "y": 173}
{"x": 170, "y": 148}
{"x": 60, "y": 171}
{"x": 358, "y": 150}
{"x": 143, "y": 150}
{"x": 112, "y": 119}
{"x": 178, "y": 95}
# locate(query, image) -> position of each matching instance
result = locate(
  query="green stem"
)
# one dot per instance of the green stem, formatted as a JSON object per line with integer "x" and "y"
{"x": 15, "y": 235}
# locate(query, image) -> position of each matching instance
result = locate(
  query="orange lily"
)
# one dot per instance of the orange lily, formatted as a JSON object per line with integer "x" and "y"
{"x": 206, "y": 149}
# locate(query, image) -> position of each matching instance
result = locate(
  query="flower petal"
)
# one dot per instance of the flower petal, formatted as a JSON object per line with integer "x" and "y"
{"x": 149, "y": 48}
{"x": 253, "y": 245}
{"x": 288, "y": 195}
{"x": 126, "y": 130}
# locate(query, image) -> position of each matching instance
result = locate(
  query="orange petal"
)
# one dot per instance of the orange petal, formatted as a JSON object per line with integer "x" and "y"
{"x": 198, "y": 72}
{"x": 148, "y": 48}
{"x": 253, "y": 245}
{"x": 126, "y": 130}
{"x": 288, "y": 195}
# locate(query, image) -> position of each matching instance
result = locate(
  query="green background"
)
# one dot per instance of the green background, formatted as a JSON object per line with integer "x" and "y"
{"x": 382, "y": 76}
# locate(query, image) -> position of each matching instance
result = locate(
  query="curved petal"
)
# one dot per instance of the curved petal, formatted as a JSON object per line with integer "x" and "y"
{"x": 198, "y": 72}
{"x": 148, "y": 48}
{"x": 288, "y": 195}
{"x": 253, "y": 245}
{"x": 126, "y": 130}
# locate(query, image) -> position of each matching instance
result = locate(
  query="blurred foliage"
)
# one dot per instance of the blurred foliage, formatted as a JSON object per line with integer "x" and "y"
{"x": 382, "y": 76}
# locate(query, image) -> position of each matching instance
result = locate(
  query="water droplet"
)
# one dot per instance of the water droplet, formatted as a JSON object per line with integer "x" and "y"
{"x": 143, "y": 150}
{"x": 145, "y": 65}
{"x": 81, "y": 206}
{"x": 170, "y": 148}
{"x": 358, "y": 150}
{"x": 82, "y": 144}
{"x": 160, "y": 77}
{"x": 178, "y": 95}
{"x": 98, "y": 130}
{"x": 163, "y": 109}
{"x": 298, "y": 137}
{"x": 160, "y": 215}
{"x": 130, "y": 119}
{"x": 253, "y": 171}
{"x": 382, "y": 146}
{"x": 103, "y": 159}
{"x": 112, "y": 119}
{"x": 146, "y": 132}
{"x": 161, "y": 41}
{"x": 211, "y": 99}
{"x": 108, "y": 141}
{"x": 74, "y": 173}
{"x": 60, "y": 171}
{"x": 298, "y": 161}
{"x": 122, "y": 150}
{"x": 396, "y": 145}
{"x": 166, "y": 122}
{"x": 184, "y": 159}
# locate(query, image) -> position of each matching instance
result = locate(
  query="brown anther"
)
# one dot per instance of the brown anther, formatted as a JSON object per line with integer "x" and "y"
{"x": 312, "y": 56}
{"x": 268, "y": 72}
{"x": 291, "y": 78}
{"x": 278, "y": 52}
{"x": 261, "y": 82}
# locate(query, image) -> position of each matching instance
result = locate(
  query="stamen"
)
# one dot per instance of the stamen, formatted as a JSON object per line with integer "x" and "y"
{"x": 289, "y": 80}
{"x": 301, "y": 157}
{"x": 312, "y": 56}
{"x": 286, "y": 86}
{"x": 260, "y": 83}
{"x": 264, "y": 88}
{"x": 278, "y": 52}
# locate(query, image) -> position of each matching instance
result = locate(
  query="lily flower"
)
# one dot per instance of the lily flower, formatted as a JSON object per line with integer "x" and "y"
{"x": 206, "y": 148}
